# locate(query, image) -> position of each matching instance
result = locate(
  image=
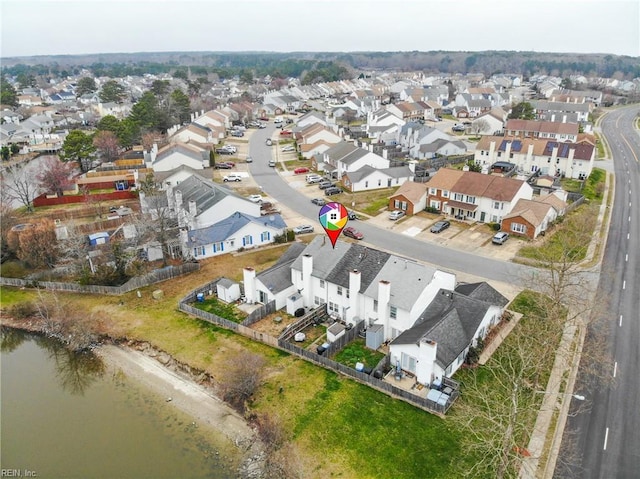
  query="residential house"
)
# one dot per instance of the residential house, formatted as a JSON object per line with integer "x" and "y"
{"x": 369, "y": 178}
{"x": 439, "y": 341}
{"x": 237, "y": 231}
{"x": 562, "y": 112}
{"x": 542, "y": 129}
{"x": 174, "y": 155}
{"x": 531, "y": 218}
{"x": 311, "y": 118}
{"x": 571, "y": 160}
{"x": 490, "y": 123}
{"x": 360, "y": 283}
{"x": 475, "y": 196}
{"x": 346, "y": 157}
{"x": 437, "y": 148}
{"x": 409, "y": 111}
{"x": 381, "y": 122}
{"x": 196, "y": 203}
{"x": 193, "y": 132}
{"x": 411, "y": 198}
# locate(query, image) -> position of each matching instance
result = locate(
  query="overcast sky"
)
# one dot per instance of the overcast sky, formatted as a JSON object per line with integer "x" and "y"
{"x": 47, "y": 27}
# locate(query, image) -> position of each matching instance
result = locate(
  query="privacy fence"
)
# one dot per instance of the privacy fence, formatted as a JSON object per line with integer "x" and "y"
{"x": 314, "y": 316}
{"x": 156, "y": 276}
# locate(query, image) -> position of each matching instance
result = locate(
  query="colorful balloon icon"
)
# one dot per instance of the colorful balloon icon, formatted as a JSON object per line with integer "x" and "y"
{"x": 333, "y": 218}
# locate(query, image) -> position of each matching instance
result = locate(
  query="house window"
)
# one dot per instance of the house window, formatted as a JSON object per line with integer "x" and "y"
{"x": 518, "y": 228}
{"x": 471, "y": 199}
{"x": 218, "y": 247}
{"x": 375, "y": 305}
{"x": 396, "y": 204}
{"x": 317, "y": 300}
{"x": 322, "y": 283}
{"x": 347, "y": 292}
{"x": 339, "y": 290}
{"x": 379, "y": 182}
{"x": 458, "y": 196}
{"x": 333, "y": 307}
{"x": 510, "y": 155}
{"x": 432, "y": 191}
{"x": 247, "y": 240}
{"x": 393, "y": 312}
{"x": 265, "y": 236}
{"x": 232, "y": 242}
{"x": 445, "y": 193}
{"x": 366, "y": 184}
{"x": 403, "y": 206}
{"x": 498, "y": 205}
{"x": 408, "y": 363}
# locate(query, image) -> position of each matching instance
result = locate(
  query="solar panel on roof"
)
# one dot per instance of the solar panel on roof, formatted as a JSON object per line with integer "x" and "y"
{"x": 516, "y": 145}
{"x": 503, "y": 145}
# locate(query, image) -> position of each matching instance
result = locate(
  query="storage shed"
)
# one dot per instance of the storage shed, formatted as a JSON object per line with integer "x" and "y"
{"x": 375, "y": 336}
{"x": 227, "y": 290}
{"x": 335, "y": 331}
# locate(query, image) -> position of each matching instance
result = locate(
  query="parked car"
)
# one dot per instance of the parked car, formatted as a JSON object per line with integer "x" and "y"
{"x": 237, "y": 133}
{"x": 255, "y": 198}
{"x": 249, "y": 159}
{"x": 272, "y": 163}
{"x": 288, "y": 148}
{"x": 352, "y": 233}
{"x": 301, "y": 170}
{"x": 285, "y": 132}
{"x": 457, "y": 127}
{"x": 440, "y": 226}
{"x": 500, "y": 238}
{"x": 396, "y": 215}
{"x": 224, "y": 165}
{"x": 302, "y": 229}
{"x": 319, "y": 201}
{"x": 226, "y": 150}
{"x": 352, "y": 215}
{"x": 313, "y": 178}
{"x": 332, "y": 190}
{"x": 232, "y": 177}
{"x": 325, "y": 184}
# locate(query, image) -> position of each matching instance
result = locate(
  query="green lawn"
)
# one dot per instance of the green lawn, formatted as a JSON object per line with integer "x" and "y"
{"x": 356, "y": 352}
{"x": 224, "y": 310}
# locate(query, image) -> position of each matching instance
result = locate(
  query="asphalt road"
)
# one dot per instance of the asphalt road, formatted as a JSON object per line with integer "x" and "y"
{"x": 604, "y": 442}
{"x": 445, "y": 258}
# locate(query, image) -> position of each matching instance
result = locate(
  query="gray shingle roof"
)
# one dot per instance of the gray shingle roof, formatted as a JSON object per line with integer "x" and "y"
{"x": 222, "y": 230}
{"x": 483, "y": 292}
{"x": 204, "y": 193}
{"x": 451, "y": 320}
{"x": 278, "y": 277}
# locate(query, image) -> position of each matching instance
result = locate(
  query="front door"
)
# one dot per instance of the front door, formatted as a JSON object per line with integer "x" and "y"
{"x": 482, "y": 217}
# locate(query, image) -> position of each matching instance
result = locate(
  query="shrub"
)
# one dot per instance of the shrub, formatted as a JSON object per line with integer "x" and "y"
{"x": 23, "y": 310}
{"x": 431, "y": 209}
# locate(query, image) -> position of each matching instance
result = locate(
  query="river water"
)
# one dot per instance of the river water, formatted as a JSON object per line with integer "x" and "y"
{"x": 66, "y": 415}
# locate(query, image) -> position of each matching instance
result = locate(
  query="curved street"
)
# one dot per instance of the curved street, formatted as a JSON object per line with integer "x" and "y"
{"x": 604, "y": 441}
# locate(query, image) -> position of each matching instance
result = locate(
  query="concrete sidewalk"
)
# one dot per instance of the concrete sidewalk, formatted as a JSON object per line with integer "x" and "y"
{"x": 544, "y": 444}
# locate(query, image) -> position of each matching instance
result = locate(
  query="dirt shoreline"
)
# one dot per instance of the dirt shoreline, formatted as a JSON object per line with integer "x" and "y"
{"x": 144, "y": 365}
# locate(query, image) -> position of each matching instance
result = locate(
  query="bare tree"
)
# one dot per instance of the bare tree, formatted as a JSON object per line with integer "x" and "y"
{"x": 480, "y": 126}
{"x": 497, "y": 421}
{"x": 55, "y": 176}
{"x": 107, "y": 144}
{"x": 240, "y": 378}
{"x": 36, "y": 245}
{"x": 8, "y": 219}
{"x": 18, "y": 182}
{"x": 159, "y": 221}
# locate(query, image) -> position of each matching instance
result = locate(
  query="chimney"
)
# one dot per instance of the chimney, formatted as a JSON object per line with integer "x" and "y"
{"x": 193, "y": 210}
{"x": 307, "y": 269}
{"x": 384, "y": 296}
{"x": 564, "y": 118}
{"x": 492, "y": 151}
{"x": 529, "y": 153}
{"x": 249, "y": 278}
{"x": 354, "y": 291}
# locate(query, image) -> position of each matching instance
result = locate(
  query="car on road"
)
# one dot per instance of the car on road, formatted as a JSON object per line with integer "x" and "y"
{"x": 319, "y": 201}
{"x": 440, "y": 226}
{"x": 287, "y": 148}
{"x": 396, "y": 215}
{"x": 500, "y": 238}
{"x": 272, "y": 163}
{"x": 352, "y": 215}
{"x": 332, "y": 190}
{"x": 249, "y": 159}
{"x": 255, "y": 198}
{"x": 323, "y": 185}
{"x": 232, "y": 177}
{"x": 224, "y": 165}
{"x": 352, "y": 233}
{"x": 301, "y": 170}
{"x": 302, "y": 229}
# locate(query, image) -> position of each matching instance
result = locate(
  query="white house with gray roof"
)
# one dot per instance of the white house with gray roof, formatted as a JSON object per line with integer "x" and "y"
{"x": 438, "y": 342}
{"x": 175, "y": 155}
{"x": 369, "y": 178}
{"x": 346, "y": 157}
{"x": 237, "y": 231}
{"x": 360, "y": 283}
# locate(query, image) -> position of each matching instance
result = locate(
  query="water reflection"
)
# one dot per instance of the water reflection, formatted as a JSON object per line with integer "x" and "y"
{"x": 76, "y": 371}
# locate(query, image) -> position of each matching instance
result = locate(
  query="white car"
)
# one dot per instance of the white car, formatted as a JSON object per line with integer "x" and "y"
{"x": 255, "y": 198}
{"x": 232, "y": 177}
{"x": 249, "y": 159}
{"x": 302, "y": 229}
{"x": 313, "y": 179}
{"x": 396, "y": 215}
{"x": 288, "y": 148}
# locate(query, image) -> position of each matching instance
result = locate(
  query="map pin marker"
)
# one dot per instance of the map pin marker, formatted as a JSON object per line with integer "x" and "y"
{"x": 333, "y": 218}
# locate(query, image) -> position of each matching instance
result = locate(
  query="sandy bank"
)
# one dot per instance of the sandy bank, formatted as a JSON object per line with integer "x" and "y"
{"x": 189, "y": 397}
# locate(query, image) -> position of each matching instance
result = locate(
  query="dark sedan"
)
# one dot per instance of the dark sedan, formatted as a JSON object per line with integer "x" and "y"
{"x": 440, "y": 226}
{"x": 352, "y": 233}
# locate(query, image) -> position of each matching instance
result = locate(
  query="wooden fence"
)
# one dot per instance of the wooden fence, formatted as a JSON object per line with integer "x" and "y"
{"x": 325, "y": 362}
{"x": 155, "y": 276}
